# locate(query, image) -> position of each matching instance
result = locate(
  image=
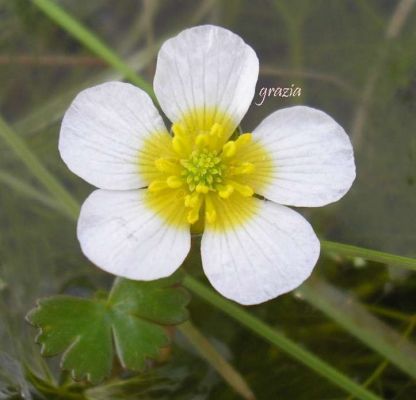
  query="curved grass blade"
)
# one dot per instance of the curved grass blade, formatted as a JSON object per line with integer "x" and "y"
{"x": 215, "y": 359}
{"x": 278, "y": 339}
{"x": 92, "y": 42}
{"x": 354, "y": 318}
{"x": 32, "y": 162}
{"x": 369, "y": 254}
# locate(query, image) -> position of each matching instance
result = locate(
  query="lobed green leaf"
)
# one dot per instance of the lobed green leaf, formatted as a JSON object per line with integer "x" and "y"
{"x": 134, "y": 317}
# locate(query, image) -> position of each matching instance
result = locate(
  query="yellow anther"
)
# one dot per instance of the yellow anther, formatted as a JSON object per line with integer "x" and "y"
{"x": 178, "y": 130}
{"x": 193, "y": 215}
{"x": 211, "y": 216}
{"x": 201, "y": 188}
{"x": 201, "y": 140}
{"x": 156, "y": 186}
{"x": 180, "y": 194}
{"x": 225, "y": 191}
{"x": 181, "y": 141}
{"x": 181, "y": 146}
{"x": 243, "y": 139}
{"x": 247, "y": 168}
{"x": 188, "y": 200}
{"x": 214, "y": 136}
{"x": 243, "y": 169}
{"x": 210, "y": 213}
{"x": 197, "y": 176}
{"x": 192, "y": 200}
{"x": 229, "y": 149}
{"x": 244, "y": 190}
{"x": 165, "y": 165}
{"x": 174, "y": 182}
{"x": 216, "y": 130}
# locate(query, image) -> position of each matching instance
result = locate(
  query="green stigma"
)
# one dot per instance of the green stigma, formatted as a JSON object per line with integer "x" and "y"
{"x": 203, "y": 170}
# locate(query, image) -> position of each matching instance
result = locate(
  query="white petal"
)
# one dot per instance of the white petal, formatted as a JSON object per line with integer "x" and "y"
{"x": 203, "y": 68}
{"x": 103, "y": 131}
{"x": 121, "y": 235}
{"x": 270, "y": 254}
{"x": 312, "y": 156}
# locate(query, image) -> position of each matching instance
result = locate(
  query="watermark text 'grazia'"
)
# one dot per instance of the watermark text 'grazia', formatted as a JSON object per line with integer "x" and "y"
{"x": 290, "y": 91}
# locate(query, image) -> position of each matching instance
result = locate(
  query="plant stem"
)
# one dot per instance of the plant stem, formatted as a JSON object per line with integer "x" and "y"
{"x": 92, "y": 42}
{"x": 389, "y": 313}
{"x": 27, "y": 190}
{"x": 354, "y": 318}
{"x": 385, "y": 363}
{"x": 278, "y": 339}
{"x": 397, "y": 20}
{"x": 25, "y": 154}
{"x": 369, "y": 255}
{"x": 216, "y": 360}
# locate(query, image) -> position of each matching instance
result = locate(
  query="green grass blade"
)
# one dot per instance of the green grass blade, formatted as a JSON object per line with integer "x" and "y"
{"x": 27, "y": 190}
{"x": 216, "y": 360}
{"x": 369, "y": 255}
{"x": 278, "y": 339}
{"x": 354, "y": 318}
{"x": 25, "y": 154}
{"x": 53, "y": 109}
{"x": 92, "y": 42}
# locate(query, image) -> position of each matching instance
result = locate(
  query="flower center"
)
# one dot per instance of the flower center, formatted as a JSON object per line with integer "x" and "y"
{"x": 204, "y": 171}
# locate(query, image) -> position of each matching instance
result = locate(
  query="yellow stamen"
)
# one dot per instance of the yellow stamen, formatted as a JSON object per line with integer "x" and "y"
{"x": 225, "y": 191}
{"x": 178, "y": 130}
{"x": 217, "y": 130}
{"x": 174, "y": 182}
{"x": 243, "y": 169}
{"x": 215, "y": 136}
{"x": 180, "y": 146}
{"x": 181, "y": 142}
{"x": 243, "y": 139}
{"x": 193, "y": 215}
{"x": 210, "y": 213}
{"x": 191, "y": 200}
{"x": 201, "y": 188}
{"x": 165, "y": 165}
{"x": 244, "y": 190}
{"x": 229, "y": 149}
{"x": 201, "y": 140}
{"x": 197, "y": 173}
{"x": 194, "y": 203}
{"x": 157, "y": 186}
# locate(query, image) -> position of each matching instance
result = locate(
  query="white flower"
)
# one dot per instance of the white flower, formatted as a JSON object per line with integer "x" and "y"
{"x": 156, "y": 188}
